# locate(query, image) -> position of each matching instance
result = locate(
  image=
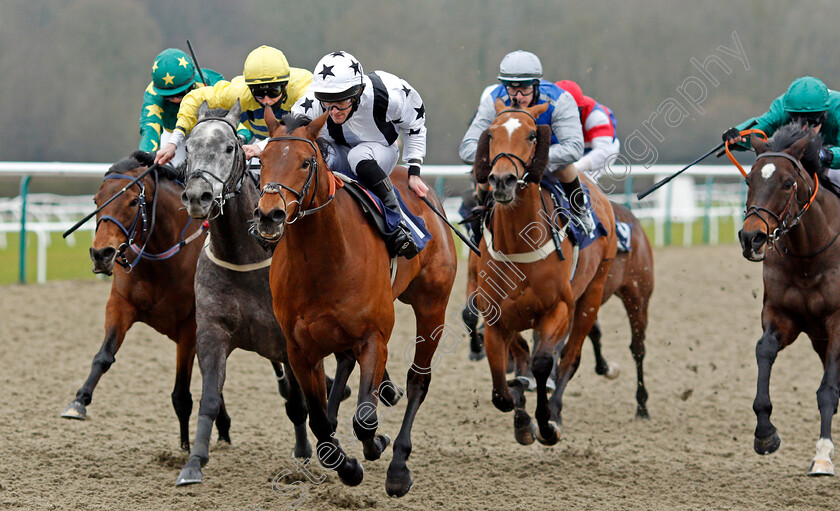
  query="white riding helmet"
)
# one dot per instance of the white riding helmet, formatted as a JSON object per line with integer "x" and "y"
{"x": 521, "y": 67}
{"x": 338, "y": 76}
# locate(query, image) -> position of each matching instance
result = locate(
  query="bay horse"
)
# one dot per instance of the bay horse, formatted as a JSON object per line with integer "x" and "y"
{"x": 630, "y": 278}
{"x": 536, "y": 293}
{"x": 157, "y": 290}
{"x": 332, "y": 290}
{"x": 792, "y": 224}
{"x": 233, "y": 299}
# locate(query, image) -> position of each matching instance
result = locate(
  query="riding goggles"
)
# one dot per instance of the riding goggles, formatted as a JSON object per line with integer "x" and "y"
{"x": 270, "y": 90}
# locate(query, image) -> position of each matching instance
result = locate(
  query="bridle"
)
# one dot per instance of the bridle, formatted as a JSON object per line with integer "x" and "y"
{"x": 513, "y": 158}
{"x": 233, "y": 185}
{"x": 787, "y": 219}
{"x": 140, "y": 225}
{"x": 311, "y": 164}
{"x": 138, "y": 228}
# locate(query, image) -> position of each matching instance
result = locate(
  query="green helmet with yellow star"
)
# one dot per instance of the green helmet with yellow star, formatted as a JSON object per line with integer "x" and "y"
{"x": 173, "y": 72}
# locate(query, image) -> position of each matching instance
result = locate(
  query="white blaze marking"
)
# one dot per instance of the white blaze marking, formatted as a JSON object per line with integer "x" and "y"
{"x": 285, "y": 151}
{"x": 767, "y": 170}
{"x": 511, "y": 125}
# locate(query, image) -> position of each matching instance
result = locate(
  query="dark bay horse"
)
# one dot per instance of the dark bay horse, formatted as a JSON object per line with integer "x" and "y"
{"x": 519, "y": 292}
{"x": 233, "y": 298}
{"x": 147, "y": 218}
{"x": 630, "y": 278}
{"x": 332, "y": 291}
{"x": 792, "y": 224}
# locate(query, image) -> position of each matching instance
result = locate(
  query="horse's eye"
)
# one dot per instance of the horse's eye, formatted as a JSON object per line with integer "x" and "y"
{"x": 532, "y": 136}
{"x": 305, "y": 164}
{"x": 134, "y": 202}
{"x": 229, "y": 149}
{"x": 788, "y": 184}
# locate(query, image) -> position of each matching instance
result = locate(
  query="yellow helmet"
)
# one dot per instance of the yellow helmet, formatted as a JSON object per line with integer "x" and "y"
{"x": 266, "y": 65}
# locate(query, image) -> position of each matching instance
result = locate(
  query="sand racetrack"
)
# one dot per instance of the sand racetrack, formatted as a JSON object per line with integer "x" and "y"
{"x": 694, "y": 453}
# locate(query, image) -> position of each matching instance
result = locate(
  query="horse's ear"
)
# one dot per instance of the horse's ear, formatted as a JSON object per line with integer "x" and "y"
{"x": 758, "y": 145}
{"x": 540, "y": 161}
{"x": 203, "y": 108}
{"x": 232, "y": 116}
{"x": 500, "y": 105}
{"x": 481, "y": 166}
{"x": 313, "y": 129}
{"x": 537, "y": 110}
{"x": 797, "y": 149}
{"x": 271, "y": 121}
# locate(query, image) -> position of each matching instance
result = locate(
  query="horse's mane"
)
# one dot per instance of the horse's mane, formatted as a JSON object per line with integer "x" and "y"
{"x": 142, "y": 158}
{"x": 788, "y": 135}
{"x": 293, "y": 121}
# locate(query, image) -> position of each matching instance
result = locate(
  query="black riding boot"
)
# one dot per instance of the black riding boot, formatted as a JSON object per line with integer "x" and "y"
{"x": 399, "y": 241}
{"x": 581, "y": 209}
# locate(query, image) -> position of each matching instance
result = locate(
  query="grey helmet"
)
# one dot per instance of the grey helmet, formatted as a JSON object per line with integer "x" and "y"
{"x": 520, "y": 67}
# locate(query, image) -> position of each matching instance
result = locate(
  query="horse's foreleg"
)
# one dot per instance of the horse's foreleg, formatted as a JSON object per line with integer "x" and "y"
{"x": 119, "y": 316}
{"x": 371, "y": 357}
{"x": 312, "y": 382}
{"x": 549, "y": 332}
{"x": 296, "y": 412}
{"x": 471, "y": 312}
{"x": 778, "y": 333}
{"x": 212, "y": 359}
{"x": 345, "y": 362}
{"x": 181, "y": 397}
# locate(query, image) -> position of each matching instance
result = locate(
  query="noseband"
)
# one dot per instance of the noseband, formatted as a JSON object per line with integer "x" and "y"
{"x": 786, "y": 220}
{"x": 311, "y": 164}
{"x": 513, "y": 158}
{"x": 229, "y": 190}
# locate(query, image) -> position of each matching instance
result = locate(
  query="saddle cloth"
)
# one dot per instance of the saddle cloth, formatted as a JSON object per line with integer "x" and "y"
{"x": 385, "y": 219}
{"x": 576, "y": 234}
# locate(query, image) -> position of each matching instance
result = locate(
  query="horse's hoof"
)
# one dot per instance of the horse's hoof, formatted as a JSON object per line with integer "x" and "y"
{"x": 75, "y": 410}
{"x": 352, "y": 472}
{"x": 552, "y": 436}
{"x": 379, "y": 444}
{"x": 529, "y": 384}
{"x": 303, "y": 450}
{"x": 524, "y": 428}
{"x": 475, "y": 356}
{"x": 767, "y": 445}
{"x": 613, "y": 370}
{"x": 398, "y": 486}
{"x": 642, "y": 413}
{"x": 390, "y": 394}
{"x": 821, "y": 468}
{"x": 189, "y": 475}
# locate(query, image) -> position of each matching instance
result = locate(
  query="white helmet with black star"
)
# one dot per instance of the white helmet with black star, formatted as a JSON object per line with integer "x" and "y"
{"x": 338, "y": 76}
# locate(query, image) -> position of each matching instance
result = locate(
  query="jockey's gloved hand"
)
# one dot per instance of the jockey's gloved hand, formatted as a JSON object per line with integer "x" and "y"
{"x": 730, "y": 135}
{"x": 826, "y": 157}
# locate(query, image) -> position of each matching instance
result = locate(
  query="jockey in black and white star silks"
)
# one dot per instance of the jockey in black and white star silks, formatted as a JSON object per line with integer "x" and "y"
{"x": 367, "y": 114}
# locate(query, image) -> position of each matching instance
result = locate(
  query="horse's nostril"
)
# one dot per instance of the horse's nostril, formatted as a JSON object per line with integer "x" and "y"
{"x": 510, "y": 180}
{"x": 493, "y": 181}
{"x": 184, "y": 198}
{"x": 206, "y": 198}
{"x": 278, "y": 216}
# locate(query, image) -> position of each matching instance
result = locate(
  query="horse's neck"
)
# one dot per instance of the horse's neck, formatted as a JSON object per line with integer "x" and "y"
{"x": 229, "y": 237}
{"x": 817, "y": 227}
{"x": 513, "y": 225}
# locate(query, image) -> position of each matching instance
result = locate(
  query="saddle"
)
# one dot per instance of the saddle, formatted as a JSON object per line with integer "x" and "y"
{"x": 385, "y": 220}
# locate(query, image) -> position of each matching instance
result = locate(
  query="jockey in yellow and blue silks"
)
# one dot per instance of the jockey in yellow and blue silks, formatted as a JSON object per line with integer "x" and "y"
{"x": 266, "y": 81}
{"x": 173, "y": 76}
{"x": 811, "y": 104}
